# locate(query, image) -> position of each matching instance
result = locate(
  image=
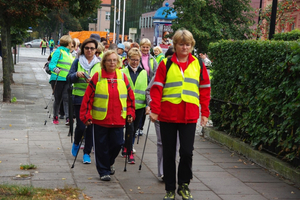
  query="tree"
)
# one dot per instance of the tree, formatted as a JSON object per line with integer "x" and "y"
{"x": 284, "y": 18}
{"x": 24, "y": 13}
{"x": 213, "y": 20}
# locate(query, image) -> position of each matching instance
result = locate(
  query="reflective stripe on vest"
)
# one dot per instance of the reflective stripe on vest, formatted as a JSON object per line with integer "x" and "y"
{"x": 139, "y": 88}
{"x": 101, "y": 97}
{"x": 184, "y": 87}
{"x": 64, "y": 64}
{"x": 80, "y": 85}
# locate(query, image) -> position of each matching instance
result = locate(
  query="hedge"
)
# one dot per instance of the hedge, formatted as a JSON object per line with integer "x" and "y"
{"x": 256, "y": 94}
{"x": 288, "y": 36}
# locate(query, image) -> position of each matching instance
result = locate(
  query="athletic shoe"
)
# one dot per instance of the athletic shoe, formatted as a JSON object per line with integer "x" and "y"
{"x": 170, "y": 195}
{"x": 74, "y": 149}
{"x": 184, "y": 191}
{"x": 61, "y": 117}
{"x": 137, "y": 132}
{"x": 67, "y": 122}
{"x": 55, "y": 120}
{"x": 112, "y": 170}
{"x": 86, "y": 159}
{"x": 131, "y": 159}
{"x": 123, "y": 153}
{"x": 133, "y": 151}
{"x": 141, "y": 132}
{"x": 105, "y": 178}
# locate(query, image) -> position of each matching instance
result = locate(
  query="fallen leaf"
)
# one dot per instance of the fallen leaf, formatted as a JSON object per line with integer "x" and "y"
{"x": 18, "y": 176}
{"x": 63, "y": 178}
{"x": 58, "y": 148}
{"x": 10, "y": 125}
{"x": 0, "y": 161}
{"x": 36, "y": 172}
{"x": 130, "y": 190}
{"x": 236, "y": 167}
{"x": 10, "y": 111}
{"x": 139, "y": 188}
{"x": 292, "y": 192}
{"x": 240, "y": 160}
{"x": 141, "y": 192}
{"x": 90, "y": 178}
{"x": 245, "y": 163}
{"x": 232, "y": 155}
{"x": 55, "y": 189}
{"x": 15, "y": 139}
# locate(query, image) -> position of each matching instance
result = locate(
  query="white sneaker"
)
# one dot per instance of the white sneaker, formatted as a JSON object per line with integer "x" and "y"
{"x": 133, "y": 150}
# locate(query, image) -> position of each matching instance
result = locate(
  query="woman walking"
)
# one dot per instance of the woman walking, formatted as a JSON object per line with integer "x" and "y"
{"x": 60, "y": 65}
{"x": 107, "y": 103}
{"x": 85, "y": 64}
{"x": 175, "y": 103}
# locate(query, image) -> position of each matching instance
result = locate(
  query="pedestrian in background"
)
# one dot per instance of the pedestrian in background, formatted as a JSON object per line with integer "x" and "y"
{"x": 175, "y": 96}
{"x": 60, "y": 65}
{"x": 149, "y": 63}
{"x": 158, "y": 54}
{"x": 138, "y": 80}
{"x": 44, "y": 46}
{"x": 51, "y": 45}
{"x": 89, "y": 64}
{"x": 107, "y": 103}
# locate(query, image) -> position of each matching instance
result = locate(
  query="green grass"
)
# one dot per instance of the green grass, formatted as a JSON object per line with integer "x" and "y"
{"x": 29, "y": 166}
{"x": 20, "y": 192}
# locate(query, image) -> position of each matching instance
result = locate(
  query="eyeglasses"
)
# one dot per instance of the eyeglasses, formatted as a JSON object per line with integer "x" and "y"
{"x": 89, "y": 48}
{"x": 112, "y": 61}
{"x": 135, "y": 60}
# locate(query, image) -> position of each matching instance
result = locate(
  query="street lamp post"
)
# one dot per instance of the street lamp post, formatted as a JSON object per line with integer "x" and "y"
{"x": 273, "y": 19}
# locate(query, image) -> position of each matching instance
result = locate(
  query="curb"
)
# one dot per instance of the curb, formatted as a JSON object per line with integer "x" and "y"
{"x": 265, "y": 160}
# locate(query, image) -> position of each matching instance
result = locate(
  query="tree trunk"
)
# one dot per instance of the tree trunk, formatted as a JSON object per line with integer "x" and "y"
{"x": 11, "y": 63}
{"x": 5, "y": 30}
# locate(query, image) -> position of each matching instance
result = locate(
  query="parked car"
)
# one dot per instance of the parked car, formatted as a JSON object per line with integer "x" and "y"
{"x": 34, "y": 43}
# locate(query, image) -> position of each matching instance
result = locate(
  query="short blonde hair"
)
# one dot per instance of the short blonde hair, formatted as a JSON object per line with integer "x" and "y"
{"x": 145, "y": 41}
{"x": 127, "y": 45}
{"x": 65, "y": 40}
{"x": 100, "y": 47}
{"x": 108, "y": 53}
{"x": 158, "y": 48}
{"x": 183, "y": 36}
{"x": 134, "y": 52}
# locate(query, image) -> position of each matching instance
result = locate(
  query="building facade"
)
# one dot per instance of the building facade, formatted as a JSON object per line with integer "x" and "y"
{"x": 103, "y": 17}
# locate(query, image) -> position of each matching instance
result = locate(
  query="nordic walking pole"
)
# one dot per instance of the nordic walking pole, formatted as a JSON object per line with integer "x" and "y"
{"x": 51, "y": 99}
{"x": 128, "y": 140}
{"x": 79, "y": 147}
{"x": 145, "y": 144}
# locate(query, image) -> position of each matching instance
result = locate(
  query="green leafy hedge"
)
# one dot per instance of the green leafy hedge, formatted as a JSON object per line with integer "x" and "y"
{"x": 288, "y": 36}
{"x": 256, "y": 93}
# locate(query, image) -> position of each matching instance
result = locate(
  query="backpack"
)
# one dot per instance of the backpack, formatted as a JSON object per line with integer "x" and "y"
{"x": 169, "y": 63}
{"x": 46, "y": 66}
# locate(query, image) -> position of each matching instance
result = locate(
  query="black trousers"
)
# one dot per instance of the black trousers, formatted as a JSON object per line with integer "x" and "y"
{"x": 80, "y": 126}
{"x": 169, "y": 138}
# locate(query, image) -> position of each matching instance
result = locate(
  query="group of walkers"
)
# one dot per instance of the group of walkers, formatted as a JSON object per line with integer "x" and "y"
{"x": 120, "y": 85}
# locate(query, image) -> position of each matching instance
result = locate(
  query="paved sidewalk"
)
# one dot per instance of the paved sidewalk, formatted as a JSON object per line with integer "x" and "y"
{"x": 218, "y": 172}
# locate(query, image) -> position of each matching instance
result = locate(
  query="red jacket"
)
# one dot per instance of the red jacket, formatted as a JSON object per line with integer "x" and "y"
{"x": 113, "y": 117}
{"x": 182, "y": 112}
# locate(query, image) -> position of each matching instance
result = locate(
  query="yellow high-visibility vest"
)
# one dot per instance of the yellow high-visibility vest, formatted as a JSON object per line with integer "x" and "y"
{"x": 182, "y": 87}
{"x": 101, "y": 98}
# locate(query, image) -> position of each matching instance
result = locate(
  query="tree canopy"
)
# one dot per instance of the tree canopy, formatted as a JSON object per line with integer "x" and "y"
{"x": 213, "y": 20}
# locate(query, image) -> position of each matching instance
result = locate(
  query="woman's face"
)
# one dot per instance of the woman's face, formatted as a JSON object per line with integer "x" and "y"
{"x": 156, "y": 52}
{"x": 89, "y": 50}
{"x": 183, "y": 49}
{"x": 145, "y": 49}
{"x": 134, "y": 61}
{"x": 111, "y": 62}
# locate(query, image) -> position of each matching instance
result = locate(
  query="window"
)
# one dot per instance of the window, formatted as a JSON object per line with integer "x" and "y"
{"x": 107, "y": 15}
